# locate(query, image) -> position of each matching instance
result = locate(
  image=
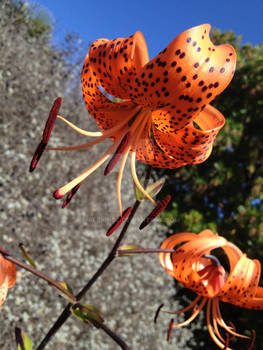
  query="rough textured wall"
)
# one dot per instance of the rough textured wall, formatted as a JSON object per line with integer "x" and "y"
{"x": 68, "y": 244}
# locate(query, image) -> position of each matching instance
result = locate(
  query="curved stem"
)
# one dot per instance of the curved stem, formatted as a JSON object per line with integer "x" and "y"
{"x": 121, "y": 252}
{"x": 114, "y": 336}
{"x": 66, "y": 312}
{"x": 39, "y": 274}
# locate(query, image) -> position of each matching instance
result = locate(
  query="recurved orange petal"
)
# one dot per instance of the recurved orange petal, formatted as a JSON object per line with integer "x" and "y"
{"x": 3, "y": 291}
{"x": 148, "y": 152}
{"x": 107, "y": 113}
{"x": 171, "y": 243}
{"x": 191, "y": 145}
{"x": 186, "y": 76}
{"x": 242, "y": 283}
{"x": 115, "y": 62}
{"x": 2, "y": 269}
{"x": 10, "y": 273}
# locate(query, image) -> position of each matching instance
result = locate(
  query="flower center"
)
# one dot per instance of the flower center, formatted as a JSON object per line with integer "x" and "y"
{"x": 213, "y": 276}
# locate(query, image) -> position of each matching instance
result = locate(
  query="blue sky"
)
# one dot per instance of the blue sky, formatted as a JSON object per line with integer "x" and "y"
{"x": 159, "y": 20}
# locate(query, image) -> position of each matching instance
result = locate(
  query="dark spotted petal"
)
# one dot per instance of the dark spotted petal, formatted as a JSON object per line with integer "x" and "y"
{"x": 191, "y": 145}
{"x": 115, "y": 62}
{"x": 148, "y": 152}
{"x": 106, "y": 112}
{"x": 185, "y": 77}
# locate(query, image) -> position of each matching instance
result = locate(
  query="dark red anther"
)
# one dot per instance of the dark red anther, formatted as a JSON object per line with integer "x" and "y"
{"x": 119, "y": 221}
{"x": 157, "y": 313}
{"x": 170, "y": 329}
{"x": 70, "y": 195}
{"x": 57, "y": 195}
{"x": 46, "y": 133}
{"x": 51, "y": 119}
{"x": 253, "y": 339}
{"x": 231, "y": 324}
{"x": 116, "y": 156}
{"x": 156, "y": 211}
{"x": 226, "y": 341}
{"x": 38, "y": 153}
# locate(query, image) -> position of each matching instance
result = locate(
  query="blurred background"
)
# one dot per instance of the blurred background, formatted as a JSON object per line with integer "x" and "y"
{"x": 42, "y": 47}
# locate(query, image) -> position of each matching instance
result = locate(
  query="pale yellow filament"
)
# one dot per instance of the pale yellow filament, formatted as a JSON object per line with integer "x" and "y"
{"x": 190, "y": 306}
{"x": 79, "y": 130}
{"x": 221, "y": 322}
{"x": 63, "y": 190}
{"x": 195, "y": 313}
{"x": 120, "y": 174}
{"x": 139, "y": 131}
{"x": 136, "y": 180}
{"x": 103, "y": 135}
{"x": 210, "y": 328}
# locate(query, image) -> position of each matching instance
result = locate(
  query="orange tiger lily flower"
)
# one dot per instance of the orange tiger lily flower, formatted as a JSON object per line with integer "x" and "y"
{"x": 193, "y": 265}
{"x": 7, "y": 277}
{"x": 163, "y": 105}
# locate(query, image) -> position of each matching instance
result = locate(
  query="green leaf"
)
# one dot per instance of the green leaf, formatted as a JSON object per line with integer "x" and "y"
{"x": 27, "y": 256}
{"x": 152, "y": 189}
{"x": 22, "y": 340}
{"x": 87, "y": 313}
{"x": 68, "y": 288}
{"x": 127, "y": 246}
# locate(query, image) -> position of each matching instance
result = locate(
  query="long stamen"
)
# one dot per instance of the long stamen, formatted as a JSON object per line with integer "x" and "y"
{"x": 79, "y": 130}
{"x": 139, "y": 118}
{"x": 215, "y": 319}
{"x": 106, "y": 133}
{"x": 119, "y": 151}
{"x": 222, "y": 323}
{"x": 210, "y": 328}
{"x": 120, "y": 174}
{"x": 136, "y": 180}
{"x": 194, "y": 314}
{"x": 78, "y": 147}
{"x": 63, "y": 190}
{"x": 190, "y": 306}
{"x": 133, "y": 158}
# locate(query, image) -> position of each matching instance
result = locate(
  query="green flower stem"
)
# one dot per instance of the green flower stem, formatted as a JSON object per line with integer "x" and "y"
{"x": 66, "y": 312}
{"x": 121, "y": 252}
{"x": 39, "y": 274}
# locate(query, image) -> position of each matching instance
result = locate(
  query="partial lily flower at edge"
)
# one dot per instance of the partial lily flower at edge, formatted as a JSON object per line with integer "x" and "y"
{"x": 193, "y": 264}
{"x": 7, "y": 277}
{"x": 165, "y": 103}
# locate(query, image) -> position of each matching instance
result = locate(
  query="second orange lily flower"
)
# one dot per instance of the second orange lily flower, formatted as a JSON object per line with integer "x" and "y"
{"x": 164, "y": 117}
{"x": 196, "y": 266}
{"x": 7, "y": 277}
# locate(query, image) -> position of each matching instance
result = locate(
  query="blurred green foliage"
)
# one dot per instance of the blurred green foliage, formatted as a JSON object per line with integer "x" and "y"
{"x": 38, "y": 20}
{"x": 225, "y": 193}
